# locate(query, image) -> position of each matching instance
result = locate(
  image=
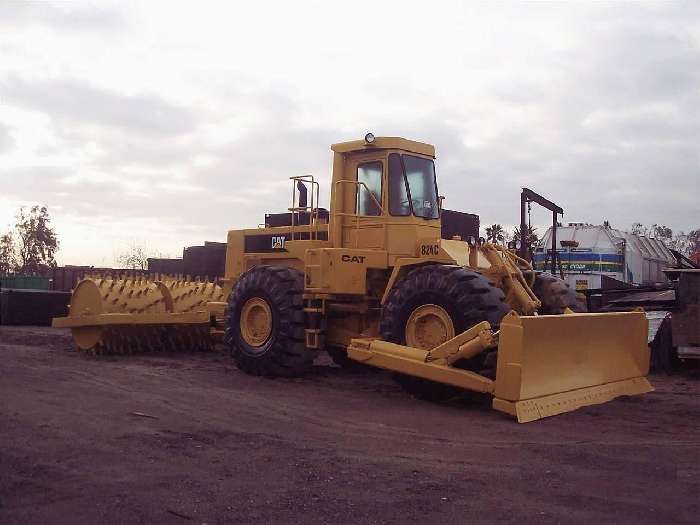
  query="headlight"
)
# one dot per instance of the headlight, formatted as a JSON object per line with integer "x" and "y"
{"x": 369, "y": 138}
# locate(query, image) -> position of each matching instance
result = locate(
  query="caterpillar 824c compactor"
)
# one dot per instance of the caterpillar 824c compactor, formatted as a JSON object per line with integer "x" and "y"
{"x": 373, "y": 282}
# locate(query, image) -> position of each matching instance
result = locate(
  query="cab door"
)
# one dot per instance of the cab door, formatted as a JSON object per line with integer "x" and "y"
{"x": 366, "y": 227}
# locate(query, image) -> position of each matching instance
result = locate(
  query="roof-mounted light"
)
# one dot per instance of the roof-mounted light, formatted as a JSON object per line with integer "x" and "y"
{"x": 370, "y": 138}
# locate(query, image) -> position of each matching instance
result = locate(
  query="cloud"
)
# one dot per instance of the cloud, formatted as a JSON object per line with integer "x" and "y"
{"x": 179, "y": 179}
{"x": 633, "y": 65}
{"x": 41, "y": 184}
{"x": 74, "y": 102}
{"x": 6, "y": 140}
{"x": 62, "y": 16}
{"x": 179, "y": 129}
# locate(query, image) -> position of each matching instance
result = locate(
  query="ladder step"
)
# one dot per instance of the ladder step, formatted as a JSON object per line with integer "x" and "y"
{"x": 313, "y": 338}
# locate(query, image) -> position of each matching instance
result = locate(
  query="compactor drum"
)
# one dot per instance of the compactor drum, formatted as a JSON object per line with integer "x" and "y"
{"x": 373, "y": 282}
{"x": 136, "y": 315}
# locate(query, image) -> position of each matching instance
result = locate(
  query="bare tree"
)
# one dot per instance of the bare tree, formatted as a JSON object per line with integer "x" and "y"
{"x": 694, "y": 240}
{"x": 680, "y": 243}
{"x": 662, "y": 233}
{"x": 36, "y": 242}
{"x": 639, "y": 229}
{"x": 134, "y": 258}
{"x": 686, "y": 244}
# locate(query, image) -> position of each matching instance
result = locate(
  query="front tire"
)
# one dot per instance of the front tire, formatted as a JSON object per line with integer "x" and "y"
{"x": 432, "y": 304}
{"x": 265, "y": 323}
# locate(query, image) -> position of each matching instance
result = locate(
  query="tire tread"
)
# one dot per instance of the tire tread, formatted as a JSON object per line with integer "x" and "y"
{"x": 287, "y": 355}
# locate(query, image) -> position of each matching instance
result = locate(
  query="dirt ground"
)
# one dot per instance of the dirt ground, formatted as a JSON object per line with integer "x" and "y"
{"x": 334, "y": 447}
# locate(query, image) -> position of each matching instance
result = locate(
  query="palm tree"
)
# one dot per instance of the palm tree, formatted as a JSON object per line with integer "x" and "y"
{"x": 495, "y": 233}
{"x": 531, "y": 238}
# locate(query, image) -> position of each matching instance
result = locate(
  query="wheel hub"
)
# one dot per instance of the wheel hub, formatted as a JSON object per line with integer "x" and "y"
{"x": 429, "y": 326}
{"x": 256, "y": 321}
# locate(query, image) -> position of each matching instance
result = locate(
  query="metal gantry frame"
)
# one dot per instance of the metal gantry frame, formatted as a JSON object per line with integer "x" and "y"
{"x": 527, "y": 196}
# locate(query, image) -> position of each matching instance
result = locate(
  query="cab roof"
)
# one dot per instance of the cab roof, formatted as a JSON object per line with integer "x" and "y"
{"x": 411, "y": 146}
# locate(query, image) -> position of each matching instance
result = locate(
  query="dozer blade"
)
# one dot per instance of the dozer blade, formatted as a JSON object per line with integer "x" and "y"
{"x": 552, "y": 364}
{"x": 546, "y": 365}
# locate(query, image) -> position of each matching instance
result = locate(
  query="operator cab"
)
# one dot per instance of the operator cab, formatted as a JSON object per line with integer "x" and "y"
{"x": 410, "y": 181}
{"x": 384, "y": 194}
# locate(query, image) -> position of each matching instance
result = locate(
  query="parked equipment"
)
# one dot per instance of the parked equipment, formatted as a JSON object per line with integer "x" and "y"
{"x": 372, "y": 281}
{"x": 31, "y": 307}
{"x": 685, "y": 320}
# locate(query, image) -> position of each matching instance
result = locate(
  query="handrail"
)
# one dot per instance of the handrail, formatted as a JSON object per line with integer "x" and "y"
{"x": 337, "y": 214}
{"x": 311, "y": 208}
{"x": 356, "y": 183}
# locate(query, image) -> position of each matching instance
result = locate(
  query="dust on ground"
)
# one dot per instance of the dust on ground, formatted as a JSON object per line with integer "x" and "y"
{"x": 187, "y": 438}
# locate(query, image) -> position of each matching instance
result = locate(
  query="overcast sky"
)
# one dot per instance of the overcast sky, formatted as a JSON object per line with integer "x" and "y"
{"x": 167, "y": 125}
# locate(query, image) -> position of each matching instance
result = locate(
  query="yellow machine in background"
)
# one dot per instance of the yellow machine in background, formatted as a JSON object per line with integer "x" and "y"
{"x": 373, "y": 282}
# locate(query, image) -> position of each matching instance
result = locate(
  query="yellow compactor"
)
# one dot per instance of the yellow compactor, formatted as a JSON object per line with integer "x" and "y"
{"x": 373, "y": 282}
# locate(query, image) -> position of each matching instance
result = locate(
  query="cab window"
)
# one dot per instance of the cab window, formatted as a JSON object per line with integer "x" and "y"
{"x": 399, "y": 203}
{"x": 422, "y": 187}
{"x": 370, "y": 174}
{"x": 412, "y": 186}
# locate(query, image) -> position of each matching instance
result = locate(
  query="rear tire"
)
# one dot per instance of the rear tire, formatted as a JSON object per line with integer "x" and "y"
{"x": 465, "y": 295}
{"x": 268, "y": 339}
{"x": 556, "y": 295}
